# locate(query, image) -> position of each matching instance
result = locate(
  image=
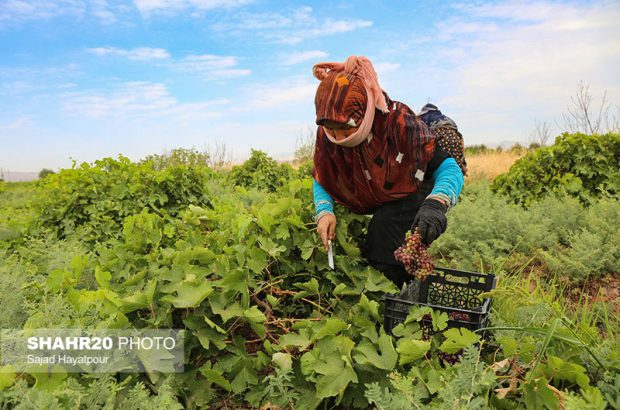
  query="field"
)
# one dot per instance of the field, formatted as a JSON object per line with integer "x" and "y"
{"x": 231, "y": 255}
{"x": 488, "y": 165}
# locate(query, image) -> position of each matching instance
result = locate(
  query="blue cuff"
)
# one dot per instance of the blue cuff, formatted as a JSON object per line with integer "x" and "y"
{"x": 449, "y": 181}
{"x": 322, "y": 200}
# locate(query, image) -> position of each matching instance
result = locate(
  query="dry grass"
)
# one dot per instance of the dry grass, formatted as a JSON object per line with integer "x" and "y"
{"x": 491, "y": 164}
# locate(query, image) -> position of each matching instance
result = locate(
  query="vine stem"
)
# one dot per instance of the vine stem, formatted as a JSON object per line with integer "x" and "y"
{"x": 291, "y": 320}
{"x": 263, "y": 304}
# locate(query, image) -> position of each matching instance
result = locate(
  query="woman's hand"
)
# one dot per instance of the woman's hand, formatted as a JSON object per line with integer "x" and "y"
{"x": 326, "y": 227}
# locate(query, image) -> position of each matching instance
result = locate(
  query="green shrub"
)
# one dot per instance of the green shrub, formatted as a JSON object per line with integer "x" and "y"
{"x": 95, "y": 199}
{"x": 487, "y": 233}
{"x": 178, "y": 156}
{"x": 594, "y": 249}
{"x": 305, "y": 169}
{"x": 477, "y": 149}
{"x": 45, "y": 172}
{"x": 261, "y": 172}
{"x": 16, "y": 213}
{"x": 13, "y": 277}
{"x": 584, "y": 166}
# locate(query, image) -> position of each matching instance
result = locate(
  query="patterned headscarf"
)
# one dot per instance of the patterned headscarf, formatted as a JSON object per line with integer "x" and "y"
{"x": 348, "y": 93}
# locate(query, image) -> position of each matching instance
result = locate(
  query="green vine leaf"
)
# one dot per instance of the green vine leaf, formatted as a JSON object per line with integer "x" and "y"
{"x": 412, "y": 350}
{"x": 457, "y": 339}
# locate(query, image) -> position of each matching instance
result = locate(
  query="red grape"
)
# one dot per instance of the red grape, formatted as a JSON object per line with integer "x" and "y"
{"x": 414, "y": 255}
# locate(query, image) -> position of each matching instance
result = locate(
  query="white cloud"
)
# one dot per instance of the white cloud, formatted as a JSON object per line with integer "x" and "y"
{"x": 211, "y": 66}
{"x": 12, "y": 11}
{"x": 135, "y": 100}
{"x": 292, "y": 27}
{"x": 385, "y": 68}
{"x": 328, "y": 27}
{"x": 455, "y": 28}
{"x": 19, "y": 122}
{"x": 15, "y": 12}
{"x": 140, "y": 54}
{"x": 295, "y": 58}
{"x": 101, "y": 10}
{"x": 281, "y": 93}
{"x": 172, "y": 6}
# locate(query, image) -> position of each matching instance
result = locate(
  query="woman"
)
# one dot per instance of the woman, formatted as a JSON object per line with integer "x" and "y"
{"x": 375, "y": 156}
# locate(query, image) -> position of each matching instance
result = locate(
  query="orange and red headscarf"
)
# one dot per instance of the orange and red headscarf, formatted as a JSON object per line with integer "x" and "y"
{"x": 349, "y": 93}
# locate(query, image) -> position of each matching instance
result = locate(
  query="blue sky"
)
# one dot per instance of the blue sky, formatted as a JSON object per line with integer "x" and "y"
{"x": 88, "y": 79}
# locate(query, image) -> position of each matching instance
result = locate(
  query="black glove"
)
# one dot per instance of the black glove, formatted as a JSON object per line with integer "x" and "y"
{"x": 431, "y": 220}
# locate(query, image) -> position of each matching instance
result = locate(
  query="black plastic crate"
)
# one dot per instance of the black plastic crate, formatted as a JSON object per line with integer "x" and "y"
{"x": 450, "y": 291}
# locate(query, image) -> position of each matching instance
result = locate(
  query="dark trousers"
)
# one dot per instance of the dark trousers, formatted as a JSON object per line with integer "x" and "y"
{"x": 386, "y": 232}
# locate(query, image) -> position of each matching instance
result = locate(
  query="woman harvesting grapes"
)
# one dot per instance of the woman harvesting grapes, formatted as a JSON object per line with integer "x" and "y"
{"x": 375, "y": 156}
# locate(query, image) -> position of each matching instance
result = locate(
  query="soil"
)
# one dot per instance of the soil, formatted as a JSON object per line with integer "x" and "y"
{"x": 605, "y": 289}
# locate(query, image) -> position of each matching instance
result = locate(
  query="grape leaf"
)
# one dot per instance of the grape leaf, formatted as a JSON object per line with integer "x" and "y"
{"x": 411, "y": 330}
{"x": 223, "y": 306}
{"x": 207, "y": 336}
{"x": 214, "y": 325}
{"x": 411, "y": 350}
{"x": 134, "y": 302}
{"x": 257, "y": 260}
{"x": 330, "y": 327}
{"x": 301, "y": 339}
{"x": 308, "y": 288}
{"x": 342, "y": 289}
{"x": 156, "y": 361}
{"x": 244, "y": 377}
{"x": 457, "y": 339}
{"x": 335, "y": 379}
{"x": 269, "y": 246}
{"x": 416, "y": 313}
{"x": 188, "y": 293}
{"x": 440, "y": 320}
{"x": 434, "y": 383}
{"x": 55, "y": 279}
{"x": 384, "y": 357}
{"x": 369, "y": 306}
{"x": 509, "y": 345}
{"x": 307, "y": 248}
{"x": 537, "y": 395}
{"x": 330, "y": 362}
{"x": 49, "y": 381}
{"x": 563, "y": 370}
{"x": 215, "y": 376}
{"x": 237, "y": 280}
{"x": 256, "y": 319}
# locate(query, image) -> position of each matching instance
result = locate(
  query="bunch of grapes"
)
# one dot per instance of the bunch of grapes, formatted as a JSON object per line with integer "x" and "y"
{"x": 414, "y": 255}
{"x": 449, "y": 358}
{"x": 459, "y": 316}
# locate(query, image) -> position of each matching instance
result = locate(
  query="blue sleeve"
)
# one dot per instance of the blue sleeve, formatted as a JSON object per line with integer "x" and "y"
{"x": 322, "y": 201}
{"x": 449, "y": 181}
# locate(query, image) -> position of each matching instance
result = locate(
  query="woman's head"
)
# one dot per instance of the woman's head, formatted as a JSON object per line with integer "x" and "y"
{"x": 346, "y": 99}
{"x": 340, "y": 98}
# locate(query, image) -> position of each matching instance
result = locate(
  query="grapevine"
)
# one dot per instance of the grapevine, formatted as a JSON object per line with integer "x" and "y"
{"x": 414, "y": 255}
